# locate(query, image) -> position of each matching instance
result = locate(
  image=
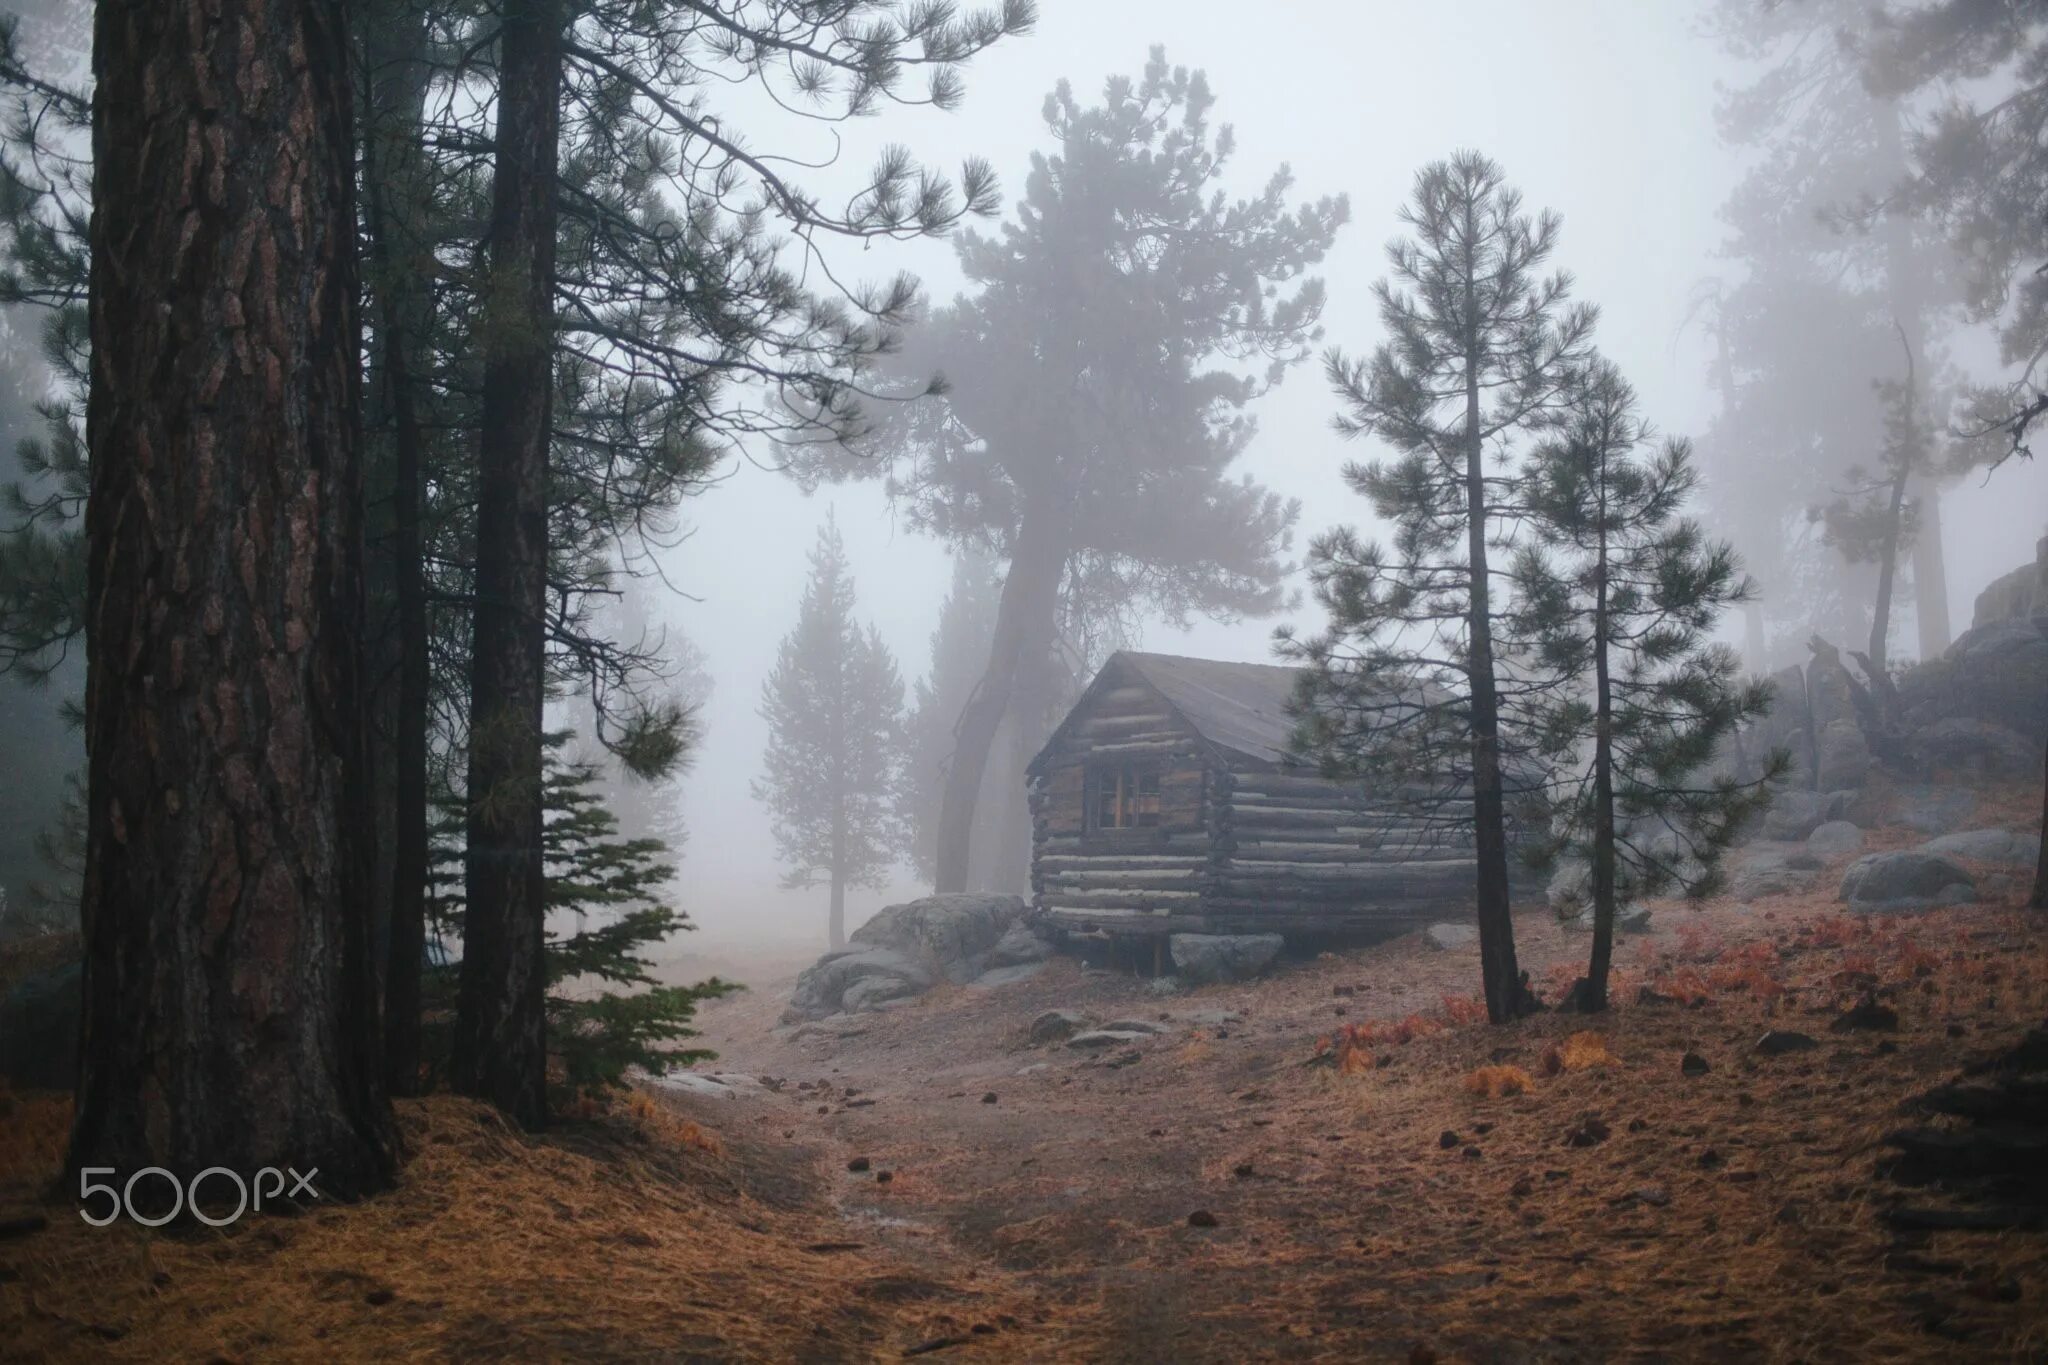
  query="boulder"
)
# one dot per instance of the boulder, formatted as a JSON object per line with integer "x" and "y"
{"x": 1017, "y": 947}
{"x": 1451, "y": 936}
{"x": 1878, "y": 883}
{"x": 1934, "y": 810}
{"x": 1223, "y": 957}
{"x": 1794, "y": 814}
{"x": 1006, "y": 976}
{"x": 1967, "y": 746}
{"x": 1633, "y": 919}
{"x": 904, "y": 951}
{"x": 1987, "y": 846}
{"x": 2001, "y": 674}
{"x": 1571, "y": 884}
{"x": 39, "y": 1029}
{"x": 1772, "y": 870}
{"x": 1056, "y": 1026}
{"x": 1835, "y": 839}
{"x": 726, "y": 1085}
{"x": 1842, "y": 756}
{"x": 1783, "y": 726}
{"x": 1095, "y": 1040}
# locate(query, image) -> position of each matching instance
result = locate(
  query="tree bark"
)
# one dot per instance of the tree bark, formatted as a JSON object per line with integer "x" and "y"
{"x": 1930, "y": 576}
{"x": 1500, "y": 975}
{"x": 396, "y": 173}
{"x": 1025, "y": 621}
{"x": 1887, "y": 569}
{"x": 229, "y": 1010}
{"x": 501, "y": 1023}
{"x": 1594, "y": 998}
{"x": 2039, "y": 900}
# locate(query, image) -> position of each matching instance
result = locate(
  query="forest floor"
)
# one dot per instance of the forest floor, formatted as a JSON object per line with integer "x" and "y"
{"x": 1299, "y": 1168}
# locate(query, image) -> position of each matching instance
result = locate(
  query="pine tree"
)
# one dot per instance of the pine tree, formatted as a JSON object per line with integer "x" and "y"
{"x": 1831, "y": 286}
{"x": 607, "y": 905}
{"x": 1622, "y": 594}
{"x": 229, "y": 994}
{"x": 834, "y": 762}
{"x": 1409, "y": 671}
{"x": 1098, "y": 380}
{"x": 960, "y": 647}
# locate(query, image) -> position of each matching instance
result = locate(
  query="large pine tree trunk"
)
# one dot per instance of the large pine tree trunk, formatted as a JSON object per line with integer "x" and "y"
{"x": 501, "y": 1023}
{"x": 396, "y": 175}
{"x": 1887, "y": 571}
{"x": 229, "y": 1014}
{"x": 1594, "y": 998}
{"x": 1026, "y": 617}
{"x": 1499, "y": 972}
{"x": 1930, "y": 576}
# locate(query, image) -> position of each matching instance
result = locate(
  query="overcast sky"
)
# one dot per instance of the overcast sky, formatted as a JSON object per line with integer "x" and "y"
{"x": 1599, "y": 109}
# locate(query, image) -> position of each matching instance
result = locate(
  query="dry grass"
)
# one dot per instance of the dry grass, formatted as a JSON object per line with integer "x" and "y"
{"x": 632, "y": 1235}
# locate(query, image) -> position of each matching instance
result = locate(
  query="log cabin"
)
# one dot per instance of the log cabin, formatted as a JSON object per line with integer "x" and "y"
{"x": 1168, "y": 801}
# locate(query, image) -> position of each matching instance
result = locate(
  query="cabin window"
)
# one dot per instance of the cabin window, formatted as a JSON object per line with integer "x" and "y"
{"x": 1125, "y": 798}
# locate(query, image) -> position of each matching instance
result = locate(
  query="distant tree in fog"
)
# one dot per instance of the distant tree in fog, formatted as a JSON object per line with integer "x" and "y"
{"x": 834, "y": 762}
{"x": 1404, "y": 691}
{"x": 958, "y": 658}
{"x": 1978, "y": 167}
{"x": 1620, "y": 593}
{"x": 1830, "y": 297}
{"x": 1099, "y": 377}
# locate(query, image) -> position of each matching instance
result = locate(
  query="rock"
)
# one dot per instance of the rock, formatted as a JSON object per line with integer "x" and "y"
{"x": 1570, "y": 888}
{"x": 1451, "y": 936}
{"x": 1007, "y": 976}
{"x": 1223, "y": 957}
{"x": 1447, "y": 1139}
{"x": 39, "y": 1029}
{"x": 718, "y": 1085}
{"x": 1018, "y": 947}
{"x": 1692, "y": 1064}
{"x": 1656, "y": 1196}
{"x": 1867, "y": 1014}
{"x": 2001, "y": 886}
{"x": 1095, "y": 1040}
{"x": 1834, "y": 839}
{"x": 1969, "y": 747}
{"x": 1778, "y": 1042}
{"x": 1987, "y": 846}
{"x": 903, "y": 952}
{"x": 2018, "y": 595}
{"x": 1163, "y": 985}
{"x": 1633, "y": 919}
{"x": 1201, "y": 1218}
{"x": 1794, "y": 814}
{"x": 1211, "y": 1018}
{"x": 1843, "y": 756}
{"x": 989, "y": 1098}
{"x": 858, "y": 1164}
{"x": 1590, "y": 1132}
{"x": 1055, "y": 1026}
{"x": 1935, "y": 810}
{"x": 1134, "y": 1026}
{"x": 1773, "y": 870}
{"x": 2001, "y": 674}
{"x": 1879, "y": 883}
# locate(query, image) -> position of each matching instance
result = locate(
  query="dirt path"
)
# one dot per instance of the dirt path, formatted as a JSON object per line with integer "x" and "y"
{"x": 1337, "y": 1225}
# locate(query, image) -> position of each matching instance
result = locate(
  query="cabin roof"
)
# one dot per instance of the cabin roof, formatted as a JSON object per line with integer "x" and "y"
{"x": 1238, "y": 709}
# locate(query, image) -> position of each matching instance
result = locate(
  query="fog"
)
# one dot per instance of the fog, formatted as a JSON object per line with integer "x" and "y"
{"x": 1604, "y": 112}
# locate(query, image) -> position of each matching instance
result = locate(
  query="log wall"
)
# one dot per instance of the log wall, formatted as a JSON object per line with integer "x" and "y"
{"x": 1237, "y": 849}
